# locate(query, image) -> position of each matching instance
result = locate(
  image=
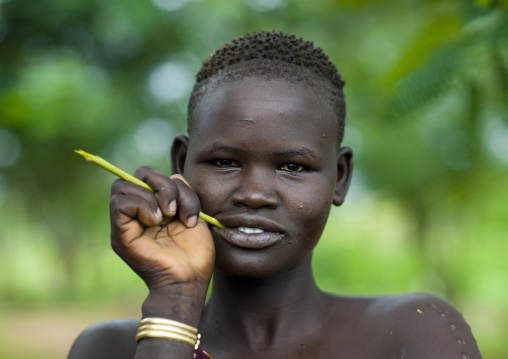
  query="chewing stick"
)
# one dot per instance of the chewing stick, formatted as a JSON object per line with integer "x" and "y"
{"x": 129, "y": 178}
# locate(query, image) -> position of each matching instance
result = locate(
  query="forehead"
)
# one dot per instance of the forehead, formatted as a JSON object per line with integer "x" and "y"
{"x": 285, "y": 106}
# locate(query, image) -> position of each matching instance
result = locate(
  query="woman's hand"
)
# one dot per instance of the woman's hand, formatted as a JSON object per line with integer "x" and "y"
{"x": 159, "y": 235}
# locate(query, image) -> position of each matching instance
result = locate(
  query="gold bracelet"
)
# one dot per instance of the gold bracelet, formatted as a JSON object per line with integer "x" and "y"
{"x": 165, "y": 335}
{"x": 165, "y": 328}
{"x": 168, "y": 329}
{"x": 168, "y": 322}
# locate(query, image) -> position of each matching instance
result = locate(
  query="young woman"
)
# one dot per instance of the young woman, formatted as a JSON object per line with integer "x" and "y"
{"x": 263, "y": 155}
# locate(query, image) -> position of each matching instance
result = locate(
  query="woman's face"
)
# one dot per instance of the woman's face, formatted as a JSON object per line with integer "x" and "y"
{"x": 263, "y": 159}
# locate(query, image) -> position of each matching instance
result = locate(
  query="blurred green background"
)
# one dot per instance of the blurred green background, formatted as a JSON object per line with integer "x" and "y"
{"x": 427, "y": 92}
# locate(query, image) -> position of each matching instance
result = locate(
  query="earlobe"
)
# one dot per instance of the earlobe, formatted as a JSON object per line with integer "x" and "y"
{"x": 344, "y": 172}
{"x": 179, "y": 154}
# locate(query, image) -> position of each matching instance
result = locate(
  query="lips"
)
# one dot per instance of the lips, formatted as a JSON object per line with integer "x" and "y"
{"x": 250, "y": 233}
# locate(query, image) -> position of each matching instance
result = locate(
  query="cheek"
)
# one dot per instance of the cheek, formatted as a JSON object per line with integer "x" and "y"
{"x": 211, "y": 192}
{"x": 311, "y": 211}
{"x": 312, "y": 199}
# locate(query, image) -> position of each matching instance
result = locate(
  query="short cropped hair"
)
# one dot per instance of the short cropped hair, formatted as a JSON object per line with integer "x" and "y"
{"x": 274, "y": 56}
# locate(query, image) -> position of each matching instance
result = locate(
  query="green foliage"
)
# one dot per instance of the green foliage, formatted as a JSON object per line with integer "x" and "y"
{"x": 427, "y": 88}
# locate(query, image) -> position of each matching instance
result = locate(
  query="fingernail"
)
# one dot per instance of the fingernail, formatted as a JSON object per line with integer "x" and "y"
{"x": 191, "y": 222}
{"x": 158, "y": 214}
{"x": 172, "y": 207}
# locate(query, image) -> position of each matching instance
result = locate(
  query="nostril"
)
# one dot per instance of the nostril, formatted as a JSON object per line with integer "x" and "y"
{"x": 255, "y": 196}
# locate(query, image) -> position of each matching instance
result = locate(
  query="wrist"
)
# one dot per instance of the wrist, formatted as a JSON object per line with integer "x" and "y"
{"x": 182, "y": 302}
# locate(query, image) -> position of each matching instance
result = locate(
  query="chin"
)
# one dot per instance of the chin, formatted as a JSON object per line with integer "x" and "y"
{"x": 251, "y": 267}
{"x": 245, "y": 269}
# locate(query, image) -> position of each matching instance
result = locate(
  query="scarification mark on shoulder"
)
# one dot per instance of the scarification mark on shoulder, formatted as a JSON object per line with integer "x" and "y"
{"x": 444, "y": 314}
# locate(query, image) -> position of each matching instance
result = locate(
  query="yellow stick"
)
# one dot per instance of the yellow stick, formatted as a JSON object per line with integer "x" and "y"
{"x": 129, "y": 178}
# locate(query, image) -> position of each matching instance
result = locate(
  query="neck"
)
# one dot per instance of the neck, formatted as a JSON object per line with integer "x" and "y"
{"x": 264, "y": 308}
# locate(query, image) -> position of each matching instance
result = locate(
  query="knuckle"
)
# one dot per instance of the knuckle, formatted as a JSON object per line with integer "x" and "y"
{"x": 172, "y": 190}
{"x": 116, "y": 186}
{"x": 180, "y": 182}
{"x": 142, "y": 171}
{"x": 113, "y": 201}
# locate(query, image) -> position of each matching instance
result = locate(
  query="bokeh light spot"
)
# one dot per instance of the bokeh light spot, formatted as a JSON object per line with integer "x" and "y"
{"x": 154, "y": 137}
{"x": 497, "y": 139}
{"x": 170, "y": 5}
{"x": 264, "y": 5}
{"x": 3, "y": 190}
{"x": 10, "y": 148}
{"x": 170, "y": 81}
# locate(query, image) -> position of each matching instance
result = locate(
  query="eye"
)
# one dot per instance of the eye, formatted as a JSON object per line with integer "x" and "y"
{"x": 226, "y": 163}
{"x": 292, "y": 167}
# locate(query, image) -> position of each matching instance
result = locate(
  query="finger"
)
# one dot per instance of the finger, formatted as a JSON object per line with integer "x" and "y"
{"x": 167, "y": 197}
{"x": 166, "y": 192}
{"x": 150, "y": 176}
{"x": 130, "y": 217}
{"x": 173, "y": 194}
{"x": 188, "y": 203}
{"x": 120, "y": 187}
{"x": 130, "y": 214}
{"x": 163, "y": 191}
{"x": 190, "y": 222}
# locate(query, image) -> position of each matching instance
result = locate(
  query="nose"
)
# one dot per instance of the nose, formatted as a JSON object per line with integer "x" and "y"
{"x": 256, "y": 191}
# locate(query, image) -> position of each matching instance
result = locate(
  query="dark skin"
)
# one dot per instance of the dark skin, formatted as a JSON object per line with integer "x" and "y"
{"x": 260, "y": 154}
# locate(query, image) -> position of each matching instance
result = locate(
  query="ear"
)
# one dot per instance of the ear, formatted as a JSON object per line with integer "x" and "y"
{"x": 179, "y": 154}
{"x": 344, "y": 172}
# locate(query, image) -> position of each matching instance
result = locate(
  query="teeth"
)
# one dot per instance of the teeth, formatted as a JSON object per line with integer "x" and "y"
{"x": 250, "y": 230}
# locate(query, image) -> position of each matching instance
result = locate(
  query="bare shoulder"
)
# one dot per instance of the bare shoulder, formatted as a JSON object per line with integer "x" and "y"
{"x": 426, "y": 325}
{"x": 111, "y": 339}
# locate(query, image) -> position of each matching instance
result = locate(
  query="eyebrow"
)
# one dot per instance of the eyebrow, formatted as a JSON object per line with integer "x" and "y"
{"x": 298, "y": 152}
{"x": 223, "y": 148}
